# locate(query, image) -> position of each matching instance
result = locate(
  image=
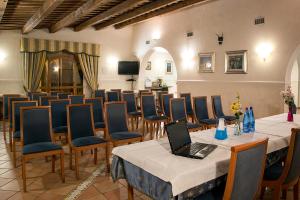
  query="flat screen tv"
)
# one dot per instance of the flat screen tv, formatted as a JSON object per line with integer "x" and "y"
{"x": 128, "y": 68}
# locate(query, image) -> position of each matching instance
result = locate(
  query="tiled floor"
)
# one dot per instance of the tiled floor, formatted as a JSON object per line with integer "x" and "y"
{"x": 44, "y": 185}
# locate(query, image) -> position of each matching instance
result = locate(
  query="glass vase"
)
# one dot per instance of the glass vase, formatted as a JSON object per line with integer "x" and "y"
{"x": 290, "y": 117}
{"x": 237, "y": 126}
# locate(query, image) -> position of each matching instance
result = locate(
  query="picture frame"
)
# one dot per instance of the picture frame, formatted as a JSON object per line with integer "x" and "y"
{"x": 169, "y": 67}
{"x": 236, "y": 62}
{"x": 207, "y": 62}
{"x": 148, "y": 66}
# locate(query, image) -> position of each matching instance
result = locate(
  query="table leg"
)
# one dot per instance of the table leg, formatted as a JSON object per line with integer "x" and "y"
{"x": 130, "y": 192}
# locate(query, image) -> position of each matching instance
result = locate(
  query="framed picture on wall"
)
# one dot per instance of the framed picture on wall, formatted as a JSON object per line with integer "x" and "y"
{"x": 169, "y": 67}
{"x": 148, "y": 67}
{"x": 236, "y": 62}
{"x": 207, "y": 62}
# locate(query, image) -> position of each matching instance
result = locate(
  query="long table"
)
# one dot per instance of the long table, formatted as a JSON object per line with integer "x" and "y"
{"x": 151, "y": 167}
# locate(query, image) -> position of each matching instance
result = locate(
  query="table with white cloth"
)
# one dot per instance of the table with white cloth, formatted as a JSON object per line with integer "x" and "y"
{"x": 151, "y": 167}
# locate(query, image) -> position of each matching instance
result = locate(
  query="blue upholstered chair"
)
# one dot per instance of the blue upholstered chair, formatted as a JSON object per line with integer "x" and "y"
{"x": 150, "y": 116}
{"x": 53, "y": 93}
{"x": 188, "y": 104}
{"x": 36, "y": 138}
{"x": 283, "y": 175}
{"x": 5, "y": 112}
{"x": 201, "y": 112}
{"x": 119, "y": 91}
{"x": 128, "y": 91}
{"x": 16, "y": 108}
{"x": 245, "y": 174}
{"x": 178, "y": 113}
{"x": 100, "y": 93}
{"x": 44, "y": 100}
{"x": 132, "y": 111}
{"x": 112, "y": 96}
{"x": 117, "y": 126}
{"x": 10, "y": 101}
{"x": 81, "y": 134}
{"x": 165, "y": 98}
{"x": 159, "y": 99}
{"x": 76, "y": 99}
{"x": 218, "y": 110}
{"x": 97, "y": 106}
{"x": 35, "y": 96}
{"x": 62, "y": 95}
{"x": 59, "y": 116}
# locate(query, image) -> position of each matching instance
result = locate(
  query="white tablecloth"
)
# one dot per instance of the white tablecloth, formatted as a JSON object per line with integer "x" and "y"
{"x": 183, "y": 173}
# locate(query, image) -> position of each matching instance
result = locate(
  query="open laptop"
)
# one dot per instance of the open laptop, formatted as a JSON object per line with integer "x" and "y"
{"x": 181, "y": 144}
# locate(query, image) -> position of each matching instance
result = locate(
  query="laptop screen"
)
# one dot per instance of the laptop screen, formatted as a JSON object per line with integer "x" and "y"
{"x": 178, "y": 135}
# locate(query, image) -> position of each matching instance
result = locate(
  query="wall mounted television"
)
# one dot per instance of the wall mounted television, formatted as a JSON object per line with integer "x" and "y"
{"x": 128, "y": 67}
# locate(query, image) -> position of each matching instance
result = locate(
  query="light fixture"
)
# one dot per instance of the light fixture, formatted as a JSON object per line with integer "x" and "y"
{"x": 160, "y": 50}
{"x": 112, "y": 60}
{"x": 2, "y": 56}
{"x": 264, "y": 50}
{"x": 187, "y": 56}
{"x": 56, "y": 68}
{"x": 156, "y": 35}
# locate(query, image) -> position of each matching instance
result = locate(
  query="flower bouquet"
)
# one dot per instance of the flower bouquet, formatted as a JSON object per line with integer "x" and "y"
{"x": 288, "y": 98}
{"x": 236, "y": 109}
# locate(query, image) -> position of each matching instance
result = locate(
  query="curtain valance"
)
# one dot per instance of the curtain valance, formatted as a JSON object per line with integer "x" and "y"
{"x": 37, "y": 45}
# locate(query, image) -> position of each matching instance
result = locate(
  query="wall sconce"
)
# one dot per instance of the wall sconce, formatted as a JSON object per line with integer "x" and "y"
{"x": 56, "y": 68}
{"x": 2, "y": 56}
{"x": 188, "y": 58}
{"x": 112, "y": 60}
{"x": 264, "y": 50}
{"x": 220, "y": 39}
{"x": 156, "y": 35}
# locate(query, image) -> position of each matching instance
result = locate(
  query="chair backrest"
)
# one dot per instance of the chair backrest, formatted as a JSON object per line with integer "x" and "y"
{"x": 62, "y": 95}
{"x": 97, "y": 106}
{"x": 80, "y": 121}
{"x": 188, "y": 102}
{"x": 141, "y": 92}
{"x": 76, "y": 99}
{"x": 159, "y": 97}
{"x": 148, "y": 106}
{"x": 36, "y": 96}
{"x": 35, "y": 125}
{"x": 246, "y": 158}
{"x": 10, "y": 101}
{"x": 16, "y": 108}
{"x": 116, "y": 117}
{"x": 119, "y": 91}
{"x": 130, "y": 100}
{"x": 217, "y": 106}
{"x": 5, "y": 104}
{"x": 59, "y": 112}
{"x": 100, "y": 93}
{"x": 53, "y": 93}
{"x": 291, "y": 171}
{"x": 177, "y": 109}
{"x": 200, "y": 108}
{"x": 166, "y": 104}
{"x": 112, "y": 96}
{"x": 128, "y": 91}
{"x": 44, "y": 100}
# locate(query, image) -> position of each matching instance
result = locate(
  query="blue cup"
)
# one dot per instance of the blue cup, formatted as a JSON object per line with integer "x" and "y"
{"x": 221, "y": 134}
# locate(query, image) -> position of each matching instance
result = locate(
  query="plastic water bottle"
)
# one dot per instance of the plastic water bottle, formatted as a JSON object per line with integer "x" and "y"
{"x": 246, "y": 121}
{"x": 252, "y": 120}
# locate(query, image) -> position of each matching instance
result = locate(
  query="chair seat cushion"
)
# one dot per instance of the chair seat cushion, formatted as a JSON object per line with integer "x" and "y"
{"x": 273, "y": 172}
{"x": 192, "y": 125}
{"x": 17, "y": 135}
{"x": 40, "y": 147}
{"x": 86, "y": 141}
{"x": 135, "y": 113}
{"x": 156, "y": 117}
{"x": 229, "y": 118}
{"x": 124, "y": 135}
{"x": 60, "y": 129}
{"x": 208, "y": 121}
{"x": 99, "y": 125}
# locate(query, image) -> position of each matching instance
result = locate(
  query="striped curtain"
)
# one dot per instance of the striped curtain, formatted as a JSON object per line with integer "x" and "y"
{"x": 89, "y": 66}
{"x": 33, "y": 66}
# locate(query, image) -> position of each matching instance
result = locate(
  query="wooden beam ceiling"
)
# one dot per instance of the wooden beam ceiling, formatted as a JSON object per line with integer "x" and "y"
{"x": 42, "y": 13}
{"x": 139, "y": 11}
{"x": 159, "y": 12}
{"x": 120, "y": 8}
{"x": 3, "y": 4}
{"x": 85, "y": 9}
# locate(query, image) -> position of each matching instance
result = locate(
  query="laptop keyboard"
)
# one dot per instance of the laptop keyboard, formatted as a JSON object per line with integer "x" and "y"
{"x": 195, "y": 147}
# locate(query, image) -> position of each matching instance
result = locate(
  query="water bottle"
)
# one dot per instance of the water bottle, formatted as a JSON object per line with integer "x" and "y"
{"x": 252, "y": 120}
{"x": 246, "y": 122}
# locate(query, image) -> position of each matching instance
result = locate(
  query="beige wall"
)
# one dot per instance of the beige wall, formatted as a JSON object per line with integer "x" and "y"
{"x": 260, "y": 87}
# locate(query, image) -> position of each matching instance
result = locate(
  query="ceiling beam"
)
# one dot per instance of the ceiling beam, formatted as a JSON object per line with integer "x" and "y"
{"x": 139, "y": 11}
{"x": 162, "y": 11}
{"x": 120, "y": 8}
{"x": 3, "y": 4}
{"x": 85, "y": 9}
{"x": 41, "y": 13}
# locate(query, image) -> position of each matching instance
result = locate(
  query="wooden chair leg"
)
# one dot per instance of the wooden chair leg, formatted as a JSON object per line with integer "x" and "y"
{"x": 70, "y": 161}
{"x": 276, "y": 193}
{"x": 296, "y": 191}
{"x": 137, "y": 122}
{"x": 284, "y": 193}
{"x": 14, "y": 154}
{"x": 4, "y": 130}
{"x": 107, "y": 149}
{"x": 95, "y": 156}
{"x": 130, "y": 192}
{"x": 143, "y": 128}
{"x": 10, "y": 139}
{"x": 76, "y": 164}
{"x": 151, "y": 130}
{"x": 262, "y": 192}
{"x": 24, "y": 173}
{"x": 62, "y": 166}
{"x": 157, "y": 129}
{"x": 132, "y": 123}
{"x": 53, "y": 163}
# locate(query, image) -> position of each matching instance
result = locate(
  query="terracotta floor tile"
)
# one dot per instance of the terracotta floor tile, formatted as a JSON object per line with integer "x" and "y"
{"x": 9, "y": 174}
{"x": 12, "y": 186}
{"x": 89, "y": 193}
{"x": 7, "y": 165}
{"x": 6, "y": 194}
{"x": 117, "y": 194}
{"x": 4, "y": 181}
{"x": 106, "y": 186}
{"x": 49, "y": 196}
{"x": 23, "y": 196}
